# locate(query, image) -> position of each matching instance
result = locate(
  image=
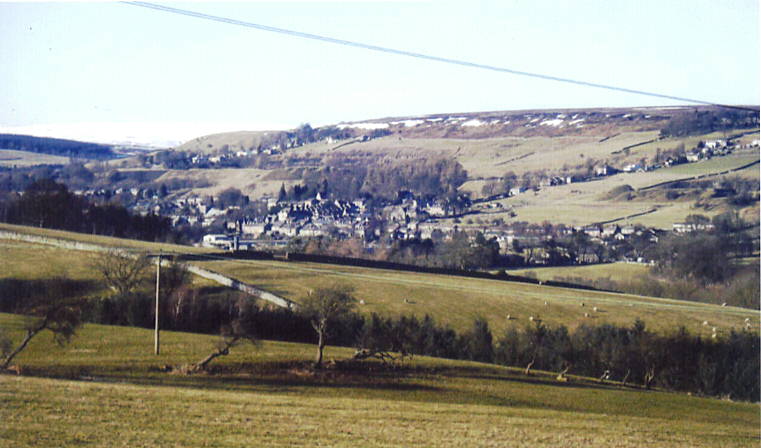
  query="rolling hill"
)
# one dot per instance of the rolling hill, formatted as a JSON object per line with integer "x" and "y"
{"x": 451, "y": 300}
{"x": 56, "y": 147}
{"x": 489, "y": 145}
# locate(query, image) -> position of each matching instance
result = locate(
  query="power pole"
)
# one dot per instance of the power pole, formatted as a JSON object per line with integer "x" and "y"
{"x": 156, "y": 331}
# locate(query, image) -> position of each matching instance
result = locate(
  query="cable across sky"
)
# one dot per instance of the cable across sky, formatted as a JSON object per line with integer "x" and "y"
{"x": 423, "y": 56}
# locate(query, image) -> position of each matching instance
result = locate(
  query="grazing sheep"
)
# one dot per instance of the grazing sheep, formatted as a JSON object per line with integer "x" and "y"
{"x": 531, "y": 318}
{"x": 546, "y": 304}
{"x": 406, "y": 300}
{"x": 747, "y": 320}
{"x": 705, "y": 322}
{"x": 595, "y": 309}
{"x": 362, "y": 302}
{"x": 713, "y": 329}
{"x": 713, "y": 336}
{"x": 582, "y": 304}
{"x": 724, "y": 304}
{"x": 586, "y": 314}
{"x": 509, "y": 317}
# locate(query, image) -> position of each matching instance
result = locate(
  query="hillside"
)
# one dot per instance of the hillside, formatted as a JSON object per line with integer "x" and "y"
{"x": 532, "y": 145}
{"x": 260, "y": 395}
{"x": 454, "y": 301}
{"x": 12, "y": 158}
{"x": 56, "y": 147}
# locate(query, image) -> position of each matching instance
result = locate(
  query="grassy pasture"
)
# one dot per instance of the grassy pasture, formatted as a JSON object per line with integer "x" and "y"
{"x": 250, "y": 181}
{"x": 615, "y": 271}
{"x": 584, "y": 203}
{"x": 111, "y": 392}
{"x": 493, "y": 157}
{"x": 12, "y": 157}
{"x": 27, "y": 261}
{"x": 456, "y": 301}
{"x": 101, "y": 240}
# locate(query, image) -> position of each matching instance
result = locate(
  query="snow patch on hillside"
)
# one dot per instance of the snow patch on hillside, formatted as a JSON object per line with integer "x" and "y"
{"x": 367, "y": 126}
{"x": 555, "y": 122}
{"x": 409, "y": 123}
{"x": 473, "y": 122}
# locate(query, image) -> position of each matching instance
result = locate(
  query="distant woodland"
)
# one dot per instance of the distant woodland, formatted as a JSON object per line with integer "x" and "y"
{"x": 56, "y": 146}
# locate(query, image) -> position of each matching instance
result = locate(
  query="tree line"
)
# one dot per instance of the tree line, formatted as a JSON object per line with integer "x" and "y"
{"x": 56, "y": 146}
{"x": 704, "y": 122}
{"x": 727, "y": 366}
{"x": 346, "y": 178}
{"x": 48, "y": 204}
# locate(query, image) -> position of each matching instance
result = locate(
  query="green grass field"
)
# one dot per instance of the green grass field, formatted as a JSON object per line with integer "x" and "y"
{"x": 106, "y": 241}
{"x": 110, "y": 390}
{"x": 451, "y": 300}
{"x": 457, "y": 301}
{"x": 584, "y": 203}
{"x": 615, "y": 271}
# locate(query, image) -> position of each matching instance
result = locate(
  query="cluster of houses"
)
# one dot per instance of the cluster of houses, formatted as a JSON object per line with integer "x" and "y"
{"x": 404, "y": 218}
{"x": 704, "y": 151}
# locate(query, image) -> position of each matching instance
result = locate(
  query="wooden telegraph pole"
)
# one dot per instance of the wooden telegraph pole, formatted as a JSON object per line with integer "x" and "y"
{"x": 158, "y": 279}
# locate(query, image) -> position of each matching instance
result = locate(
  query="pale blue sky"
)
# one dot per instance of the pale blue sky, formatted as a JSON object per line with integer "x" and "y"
{"x": 66, "y": 63}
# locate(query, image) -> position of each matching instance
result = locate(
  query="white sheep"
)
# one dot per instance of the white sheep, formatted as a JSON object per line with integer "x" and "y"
{"x": 595, "y": 309}
{"x": 705, "y": 322}
{"x": 509, "y": 317}
{"x": 586, "y": 314}
{"x": 362, "y": 302}
{"x": 724, "y": 304}
{"x": 531, "y": 318}
{"x": 747, "y": 320}
{"x": 546, "y": 304}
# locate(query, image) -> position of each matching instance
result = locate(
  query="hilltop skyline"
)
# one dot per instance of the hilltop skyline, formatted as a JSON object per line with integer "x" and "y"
{"x": 114, "y": 71}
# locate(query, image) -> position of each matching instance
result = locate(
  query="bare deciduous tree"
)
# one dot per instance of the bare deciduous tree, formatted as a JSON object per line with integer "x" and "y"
{"x": 173, "y": 277}
{"x": 46, "y": 312}
{"x": 122, "y": 272}
{"x": 230, "y": 336}
{"x": 323, "y": 307}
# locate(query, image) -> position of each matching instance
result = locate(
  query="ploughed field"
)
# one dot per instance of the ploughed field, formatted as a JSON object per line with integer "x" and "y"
{"x": 106, "y": 388}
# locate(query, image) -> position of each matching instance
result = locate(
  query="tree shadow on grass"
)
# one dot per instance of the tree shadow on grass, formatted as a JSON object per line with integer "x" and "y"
{"x": 366, "y": 380}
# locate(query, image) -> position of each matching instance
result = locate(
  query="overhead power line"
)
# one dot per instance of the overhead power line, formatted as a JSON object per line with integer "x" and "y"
{"x": 350, "y": 43}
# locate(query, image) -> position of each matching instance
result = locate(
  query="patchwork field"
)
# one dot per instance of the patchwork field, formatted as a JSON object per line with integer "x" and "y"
{"x": 111, "y": 389}
{"x": 585, "y": 203}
